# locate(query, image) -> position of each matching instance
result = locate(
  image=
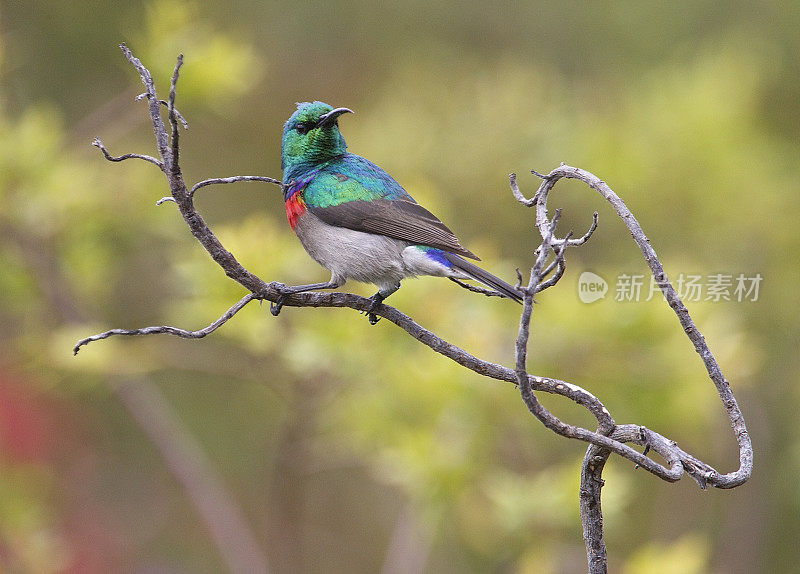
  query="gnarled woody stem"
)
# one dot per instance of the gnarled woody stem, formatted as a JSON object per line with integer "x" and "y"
{"x": 676, "y": 458}
{"x": 723, "y": 387}
{"x": 596, "y": 456}
{"x": 609, "y": 437}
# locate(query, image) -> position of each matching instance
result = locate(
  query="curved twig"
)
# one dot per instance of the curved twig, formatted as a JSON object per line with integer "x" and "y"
{"x": 233, "y": 179}
{"x": 165, "y": 103}
{"x": 97, "y": 142}
{"x": 170, "y": 330}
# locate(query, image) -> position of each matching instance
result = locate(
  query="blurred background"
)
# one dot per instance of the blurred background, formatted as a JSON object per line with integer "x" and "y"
{"x": 313, "y": 442}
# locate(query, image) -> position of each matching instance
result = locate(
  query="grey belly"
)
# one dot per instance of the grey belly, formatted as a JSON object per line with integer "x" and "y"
{"x": 349, "y": 254}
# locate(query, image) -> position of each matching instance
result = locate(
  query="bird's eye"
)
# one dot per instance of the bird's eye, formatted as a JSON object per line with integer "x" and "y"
{"x": 302, "y": 128}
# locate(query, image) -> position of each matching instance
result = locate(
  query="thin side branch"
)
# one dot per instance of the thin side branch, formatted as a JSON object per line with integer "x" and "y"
{"x": 233, "y": 179}
{"x": 170, "y": 330}
{"x": 166, "y": 104}
{"x": 524, "y": 380}
{"x": 554, "y": 264}
{"x": 559, "y": 263}
{"x": 99, "y": 144}
{"x": 512, "y": 180}
{"x": 586, "y": 236}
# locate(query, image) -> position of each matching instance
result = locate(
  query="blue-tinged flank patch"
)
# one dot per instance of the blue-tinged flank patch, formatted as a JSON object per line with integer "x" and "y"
{"x": 437, "y": 255}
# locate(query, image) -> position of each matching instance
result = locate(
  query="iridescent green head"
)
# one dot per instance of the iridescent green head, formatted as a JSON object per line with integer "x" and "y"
{"x": 311, "y": 136}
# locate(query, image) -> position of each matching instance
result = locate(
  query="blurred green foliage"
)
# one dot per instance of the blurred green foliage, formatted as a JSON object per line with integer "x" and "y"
{"x": 346, "y": 445}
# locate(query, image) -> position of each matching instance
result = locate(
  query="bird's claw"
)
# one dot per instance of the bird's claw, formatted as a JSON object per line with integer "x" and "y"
{"x": 276, "y": 306}
{"x": 371, "y": 317}
{"x": 375, "y": 302}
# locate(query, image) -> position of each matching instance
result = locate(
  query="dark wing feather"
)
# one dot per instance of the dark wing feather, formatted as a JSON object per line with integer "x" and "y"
{"x": 485, "y": 277}
{"x": 397, "y": 218}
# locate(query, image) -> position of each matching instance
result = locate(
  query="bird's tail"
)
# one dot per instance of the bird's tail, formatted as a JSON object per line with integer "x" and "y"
{"x": 484, "y": 277}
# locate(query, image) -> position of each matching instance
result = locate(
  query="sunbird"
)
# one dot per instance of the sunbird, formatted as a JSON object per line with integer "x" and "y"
{"x": 355, "y": 220}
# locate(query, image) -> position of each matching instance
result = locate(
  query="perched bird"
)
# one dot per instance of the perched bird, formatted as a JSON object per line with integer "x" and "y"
{"x": 358, "y": 222}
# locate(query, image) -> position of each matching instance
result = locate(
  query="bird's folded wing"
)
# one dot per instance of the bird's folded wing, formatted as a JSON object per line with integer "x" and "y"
{"x": 397, "y": 218}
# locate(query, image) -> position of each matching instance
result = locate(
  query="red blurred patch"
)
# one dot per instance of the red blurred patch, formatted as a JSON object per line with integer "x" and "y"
{"x": 28, "y": 423}
{"x": 39, "y": 429}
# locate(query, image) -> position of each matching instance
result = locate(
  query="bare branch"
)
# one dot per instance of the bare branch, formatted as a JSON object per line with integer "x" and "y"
{"x": 162, "y": 139}
{"x": 608, "y": 438}
{"x": 172, "y": 116}
{"x": 233, "y": 179}
{"x": 512, "y": 179}
{"x": 99, "y": 144}
{"x": 519, "y": 279}
{"x": 586, "y": 236}
{"x": 183, "y": 199}
{"x": 271, "y": 292}
{"x": 559, "y": 263}
{"x": 524, "y": 380}
{"x": 166, "y": 104}
{"x": 555, "y": 262}
{"x": 742, "y": 474}
{"x": 591, "y": 510}
{"x": 170, "y": 330}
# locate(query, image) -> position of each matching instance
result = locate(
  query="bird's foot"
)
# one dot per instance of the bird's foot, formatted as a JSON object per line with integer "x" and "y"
{"x": 375, "y": 302}
{"x": 276, "y": 306}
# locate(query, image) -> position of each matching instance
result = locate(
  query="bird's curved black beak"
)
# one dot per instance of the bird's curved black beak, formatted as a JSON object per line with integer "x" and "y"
{"x": 330, "y": 117}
